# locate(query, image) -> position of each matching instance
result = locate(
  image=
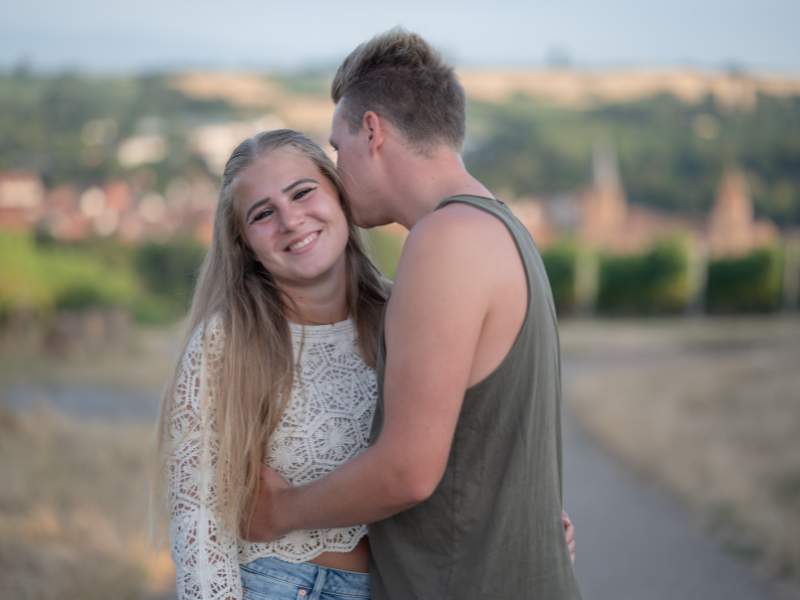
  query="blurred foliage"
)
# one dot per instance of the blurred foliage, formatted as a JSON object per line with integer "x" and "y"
{"x": 559, "y": 261}
{"x": 168, "y": 271}
{"x": 153, "y": 280}
{"x": 41, "y": 280}
{"x": 649, "y": 283}
{"x": 384, "y": 250}
{"x": 165, "y": 273}
{"x": 42, "y": 120}
{"x": 671, "y": 155}
{"x": 753, "y": 283}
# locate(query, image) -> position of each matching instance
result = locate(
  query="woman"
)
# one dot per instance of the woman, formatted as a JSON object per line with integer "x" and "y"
{"x": 276, "y": 366}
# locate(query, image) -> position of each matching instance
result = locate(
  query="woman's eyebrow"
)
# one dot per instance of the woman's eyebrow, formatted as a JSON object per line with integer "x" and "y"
{"x": 256, "y": 205}
{"x": 298, "y": 182}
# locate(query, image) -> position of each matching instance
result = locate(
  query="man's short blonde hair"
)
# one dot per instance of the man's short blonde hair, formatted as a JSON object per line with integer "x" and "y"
{"x": 399, "y": 76}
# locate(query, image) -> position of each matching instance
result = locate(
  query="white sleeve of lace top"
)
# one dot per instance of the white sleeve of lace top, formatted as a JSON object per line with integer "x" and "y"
{"x": 203, "y": 549}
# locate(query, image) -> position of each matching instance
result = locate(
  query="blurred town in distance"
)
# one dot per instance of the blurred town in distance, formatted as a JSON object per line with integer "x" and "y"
{"x": 648, "y": 192}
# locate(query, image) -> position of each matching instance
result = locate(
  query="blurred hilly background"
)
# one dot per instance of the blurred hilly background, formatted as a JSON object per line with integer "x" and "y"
{"x": 531, "y": 133}
{"x": 667, "y": 199}
{"x": 118, "y": 178}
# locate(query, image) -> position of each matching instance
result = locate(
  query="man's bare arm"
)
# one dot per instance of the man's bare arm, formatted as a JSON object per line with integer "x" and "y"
{"x": 443, "y": 289}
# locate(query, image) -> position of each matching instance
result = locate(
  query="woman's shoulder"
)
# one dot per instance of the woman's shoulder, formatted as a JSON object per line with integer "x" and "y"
{"x": 209, "y": 333}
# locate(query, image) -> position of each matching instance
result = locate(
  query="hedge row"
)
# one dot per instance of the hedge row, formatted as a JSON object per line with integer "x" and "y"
{"x": 656, "y": 282}
{"x": 753, "y": 283}
{"x": 651, "y": 283}
{"x": 42, "y": 280}
{"x": 560, "y": 261}
{"x": 153, "y": 280}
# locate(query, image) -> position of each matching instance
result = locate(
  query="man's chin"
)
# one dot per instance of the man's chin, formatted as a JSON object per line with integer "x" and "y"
{"x": 368, "y": 221}
{"x": 371, "y": 224}
{"x": 363, "y": 223}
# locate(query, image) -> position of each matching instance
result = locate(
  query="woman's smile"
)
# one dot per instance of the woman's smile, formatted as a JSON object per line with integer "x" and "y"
{"x": 304, "y": 243}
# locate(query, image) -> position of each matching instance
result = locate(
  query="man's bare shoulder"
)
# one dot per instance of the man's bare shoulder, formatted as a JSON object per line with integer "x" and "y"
{"x": 459, "y": 246}
{"x": 466, "y": 226}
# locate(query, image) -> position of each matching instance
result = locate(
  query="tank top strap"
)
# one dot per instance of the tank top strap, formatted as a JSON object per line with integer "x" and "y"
{"x": 529, "y": 253}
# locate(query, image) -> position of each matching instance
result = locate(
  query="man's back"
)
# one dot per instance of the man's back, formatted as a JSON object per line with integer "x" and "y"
{"x": 493, "y": 525}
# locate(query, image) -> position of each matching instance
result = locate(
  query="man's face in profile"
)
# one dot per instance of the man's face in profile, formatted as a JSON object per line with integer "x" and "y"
{"x": 351, "y": 152}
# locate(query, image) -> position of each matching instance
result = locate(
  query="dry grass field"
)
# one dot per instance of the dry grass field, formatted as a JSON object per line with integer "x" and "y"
{"x": 143, "y": 362}
{"x": 72, "y": 511}
{"x": 73, "y": 497}
{"x": 708, "y": 409}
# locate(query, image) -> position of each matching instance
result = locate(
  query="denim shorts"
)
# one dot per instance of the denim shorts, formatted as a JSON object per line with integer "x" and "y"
{"x": 275, "y": 579}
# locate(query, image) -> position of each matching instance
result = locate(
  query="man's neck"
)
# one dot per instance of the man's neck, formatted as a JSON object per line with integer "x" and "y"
{"x": 420, "y": 184}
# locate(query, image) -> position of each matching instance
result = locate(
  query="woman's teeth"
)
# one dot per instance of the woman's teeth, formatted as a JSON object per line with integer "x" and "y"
{"x": 304, "y": 242}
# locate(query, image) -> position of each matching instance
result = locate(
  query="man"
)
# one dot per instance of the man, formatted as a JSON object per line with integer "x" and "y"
{"x": 462, "y": 481}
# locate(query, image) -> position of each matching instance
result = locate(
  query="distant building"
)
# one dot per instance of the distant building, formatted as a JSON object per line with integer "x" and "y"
{"x": 604, "y": 208}
{"x": 63, "y": 218}
{"x": 21, "y": 194}
{"x": 732, "y": 228}
{"x": 116, "y": 208}
{"x": 600, "y": 217}
{"x": 532, "y": 214}
{"x": 20, "y": 189}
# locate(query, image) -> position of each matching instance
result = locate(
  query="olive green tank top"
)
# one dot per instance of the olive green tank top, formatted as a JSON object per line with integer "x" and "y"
{"x": 492, "y": 528}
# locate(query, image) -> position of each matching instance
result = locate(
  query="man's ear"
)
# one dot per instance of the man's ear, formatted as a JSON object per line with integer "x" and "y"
{"x": 376, "y": 129}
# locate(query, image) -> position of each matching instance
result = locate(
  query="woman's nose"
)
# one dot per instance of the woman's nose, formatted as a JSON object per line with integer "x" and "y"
{"x": 291, "y": 217}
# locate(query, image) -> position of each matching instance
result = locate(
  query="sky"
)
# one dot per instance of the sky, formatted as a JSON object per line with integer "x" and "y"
{"x": 146, "y": 35}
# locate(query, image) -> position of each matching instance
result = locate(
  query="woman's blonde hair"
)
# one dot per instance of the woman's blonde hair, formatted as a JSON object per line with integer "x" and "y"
{"x": 257, "y": 366}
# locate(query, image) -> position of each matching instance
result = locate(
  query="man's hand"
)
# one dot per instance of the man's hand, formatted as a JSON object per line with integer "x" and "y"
{"x": 569, "y": 531}
{"x": 263, "y": 526}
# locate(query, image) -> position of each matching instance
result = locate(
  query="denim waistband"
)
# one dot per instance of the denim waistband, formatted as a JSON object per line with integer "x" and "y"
{"x": 306, "y": 575}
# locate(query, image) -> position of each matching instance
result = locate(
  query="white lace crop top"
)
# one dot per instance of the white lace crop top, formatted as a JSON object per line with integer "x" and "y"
{"x": 326, "y": 423}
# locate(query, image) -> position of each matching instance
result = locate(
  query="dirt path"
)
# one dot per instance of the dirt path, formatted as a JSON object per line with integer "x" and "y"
{"x": 635, "y": 544}
{"x": 84, "y": 401}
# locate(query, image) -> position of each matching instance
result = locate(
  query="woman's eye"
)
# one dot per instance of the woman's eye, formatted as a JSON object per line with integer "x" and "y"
{"x": 262, "y": 215}
{"x": 302, "y": 193}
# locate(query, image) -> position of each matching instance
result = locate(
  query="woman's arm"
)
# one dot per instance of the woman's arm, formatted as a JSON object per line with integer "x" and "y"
{"x": 203, "y": 548}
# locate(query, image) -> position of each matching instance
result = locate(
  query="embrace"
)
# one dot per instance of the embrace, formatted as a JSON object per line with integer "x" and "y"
{"x": 313, "y": 397}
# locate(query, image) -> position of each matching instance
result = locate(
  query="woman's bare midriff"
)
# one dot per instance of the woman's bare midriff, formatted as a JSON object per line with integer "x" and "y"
{"x": 356, "y": 560}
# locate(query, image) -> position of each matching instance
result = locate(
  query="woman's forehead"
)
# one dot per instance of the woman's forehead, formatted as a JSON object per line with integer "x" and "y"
{"x": 281, "y": 166}
{"x": 275, "y": 172}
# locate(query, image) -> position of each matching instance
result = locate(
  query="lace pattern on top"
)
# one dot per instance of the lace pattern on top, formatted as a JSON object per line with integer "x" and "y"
{"x": 326, "y": 423}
